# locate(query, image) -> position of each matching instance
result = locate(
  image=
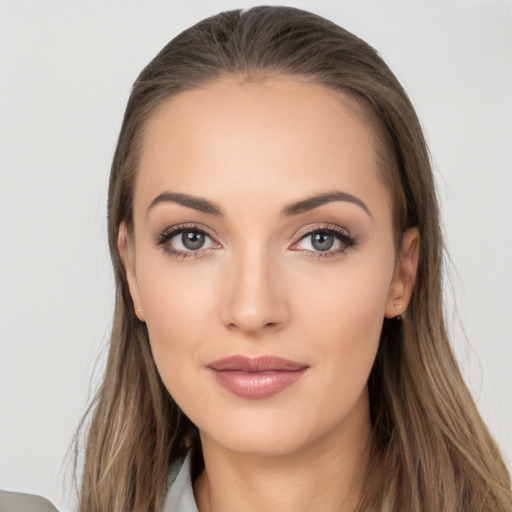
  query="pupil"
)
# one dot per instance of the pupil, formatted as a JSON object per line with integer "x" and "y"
{"x": 192, "y": 239}
{"x": 322, "y": 241}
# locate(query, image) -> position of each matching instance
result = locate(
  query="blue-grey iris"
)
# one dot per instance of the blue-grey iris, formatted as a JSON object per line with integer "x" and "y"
{"x": 322, "y": 241}
{"x": 192, "y": 239}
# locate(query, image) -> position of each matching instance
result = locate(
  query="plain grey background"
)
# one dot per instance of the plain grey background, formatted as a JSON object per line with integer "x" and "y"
{"x": 65, "y": 72}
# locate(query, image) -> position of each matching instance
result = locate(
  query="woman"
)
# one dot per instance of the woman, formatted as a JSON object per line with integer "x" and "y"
{"x": 278, "y": 339}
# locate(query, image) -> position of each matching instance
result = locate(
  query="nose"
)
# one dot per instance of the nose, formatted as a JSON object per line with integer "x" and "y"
{"x": 254, "y": 300}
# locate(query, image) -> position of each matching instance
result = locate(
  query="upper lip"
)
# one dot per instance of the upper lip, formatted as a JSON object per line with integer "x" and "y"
{"x": 256, "y": 364}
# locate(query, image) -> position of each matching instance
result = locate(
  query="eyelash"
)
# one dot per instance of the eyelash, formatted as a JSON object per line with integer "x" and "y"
{"x": 341, "y": 235}
{"x": 169, "y": 233}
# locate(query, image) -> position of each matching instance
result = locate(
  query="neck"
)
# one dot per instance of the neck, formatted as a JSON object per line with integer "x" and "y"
{"x": 326, "y": 476}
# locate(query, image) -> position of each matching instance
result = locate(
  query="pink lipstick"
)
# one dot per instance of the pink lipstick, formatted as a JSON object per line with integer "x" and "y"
{"x": 259, "y": 377}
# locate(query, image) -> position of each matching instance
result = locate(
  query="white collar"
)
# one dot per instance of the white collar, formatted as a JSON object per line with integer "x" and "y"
{"x": 180, "y": 495}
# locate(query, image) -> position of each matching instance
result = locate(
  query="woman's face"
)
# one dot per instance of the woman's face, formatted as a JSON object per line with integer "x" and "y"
{"x": 263, "y": 261}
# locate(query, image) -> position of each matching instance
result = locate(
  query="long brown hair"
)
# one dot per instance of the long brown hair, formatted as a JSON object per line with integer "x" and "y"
{"x": 432, "y": 452}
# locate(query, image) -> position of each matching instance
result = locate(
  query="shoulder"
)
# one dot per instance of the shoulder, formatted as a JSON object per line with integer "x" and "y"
{"x": 19, "y": 502}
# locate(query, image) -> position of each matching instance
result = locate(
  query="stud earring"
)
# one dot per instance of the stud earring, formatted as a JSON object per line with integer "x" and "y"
{"x": 398, "y": 307}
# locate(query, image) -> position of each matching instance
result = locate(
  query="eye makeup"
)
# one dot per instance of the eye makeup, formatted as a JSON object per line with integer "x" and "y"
{"x": 192, "y": 240}
{"x": 323, "y": 238}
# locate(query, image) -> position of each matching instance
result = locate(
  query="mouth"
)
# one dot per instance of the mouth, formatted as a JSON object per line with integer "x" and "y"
{"x": 256, "y": 378}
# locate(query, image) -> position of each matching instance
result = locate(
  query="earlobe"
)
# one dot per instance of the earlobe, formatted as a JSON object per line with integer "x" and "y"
{"x": 127, "y": 253}
{"x": 402, "y": 285}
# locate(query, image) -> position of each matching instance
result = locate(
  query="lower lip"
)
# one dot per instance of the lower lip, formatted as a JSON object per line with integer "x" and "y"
{"x": 256, "y": 385}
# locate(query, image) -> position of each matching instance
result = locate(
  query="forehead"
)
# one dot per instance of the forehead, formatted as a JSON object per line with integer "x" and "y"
{"x": 234, "y": 137}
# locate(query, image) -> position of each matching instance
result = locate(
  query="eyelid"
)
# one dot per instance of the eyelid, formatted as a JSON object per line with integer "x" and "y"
{"x": 163, "y": 237}
{"x": 322, "y": 227}
{"x": 343, "y": 236}
{"x": 192, "y": 226}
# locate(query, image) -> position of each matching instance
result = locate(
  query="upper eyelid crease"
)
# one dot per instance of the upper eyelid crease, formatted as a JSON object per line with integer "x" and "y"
{"x": 340, "y": 233}
{"x": 179, "y": 228}
{"x": 301, "y": 206}
{"x": 324, "y": 227}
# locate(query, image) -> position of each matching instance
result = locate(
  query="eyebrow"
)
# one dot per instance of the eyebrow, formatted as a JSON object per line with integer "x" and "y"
{"x": 320, "y": 199}
{"x": 197, "y": 203}
{"x": 304, "y": 205}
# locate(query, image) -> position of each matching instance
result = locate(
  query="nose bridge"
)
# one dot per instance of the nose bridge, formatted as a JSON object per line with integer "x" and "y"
{"x": 254, "y": 300}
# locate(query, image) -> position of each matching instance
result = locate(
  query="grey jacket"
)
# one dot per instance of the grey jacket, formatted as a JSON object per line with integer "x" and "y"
{"x": 18, "y": 502}
{"x": 180, "y": 495}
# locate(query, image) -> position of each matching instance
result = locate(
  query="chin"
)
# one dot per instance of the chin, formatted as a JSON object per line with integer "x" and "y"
{"x": 283, "y": 428}
{"x": 260, "y": 435}
{"x": 264, "y": 444}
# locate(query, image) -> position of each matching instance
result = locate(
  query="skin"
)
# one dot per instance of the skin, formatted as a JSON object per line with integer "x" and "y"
{"x": 259, "y": 286}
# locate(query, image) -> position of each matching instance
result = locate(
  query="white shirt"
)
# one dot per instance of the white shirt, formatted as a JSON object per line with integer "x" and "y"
{"x": 180, "y": 495}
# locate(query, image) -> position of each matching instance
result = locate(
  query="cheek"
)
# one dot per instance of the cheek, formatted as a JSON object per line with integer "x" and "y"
{"x": 176, "y": 304}
{"x": 344, "y": 316}
{"x": 349, "y": 300}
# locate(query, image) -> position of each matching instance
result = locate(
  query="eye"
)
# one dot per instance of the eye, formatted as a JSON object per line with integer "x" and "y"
{"x": 185, "y": 241}
{"x": 321, "y": 240}
{"x": 190, "y": 240}
{"x": 324, "y": 242}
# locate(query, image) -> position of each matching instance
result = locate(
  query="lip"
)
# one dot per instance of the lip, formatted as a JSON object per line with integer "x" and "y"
{"x": 256, "y": 378}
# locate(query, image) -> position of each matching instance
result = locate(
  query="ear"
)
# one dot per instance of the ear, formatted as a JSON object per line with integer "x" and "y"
{"x": 400, "y": 290}
{"x": 126, "y": 249}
